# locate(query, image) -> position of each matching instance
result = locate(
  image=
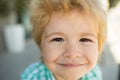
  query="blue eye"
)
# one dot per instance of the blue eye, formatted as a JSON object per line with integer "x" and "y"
{"x": 58, "y": 39}
{"x": 85, "y": 40}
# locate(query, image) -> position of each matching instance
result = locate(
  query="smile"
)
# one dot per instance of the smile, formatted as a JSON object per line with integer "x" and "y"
{"x": 71, "y": 65}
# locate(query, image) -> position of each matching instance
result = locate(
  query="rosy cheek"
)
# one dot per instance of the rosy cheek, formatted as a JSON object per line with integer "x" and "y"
{"x": 91, "y": 53}
{"x": 50, "y": 54}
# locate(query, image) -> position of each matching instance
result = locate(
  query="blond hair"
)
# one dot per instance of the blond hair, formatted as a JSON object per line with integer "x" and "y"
{"x": 41, "y": 11}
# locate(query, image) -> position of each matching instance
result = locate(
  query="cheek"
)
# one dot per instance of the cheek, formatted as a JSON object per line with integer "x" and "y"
{"x": 50, "y": 53}
{"x": 92, "y": 53}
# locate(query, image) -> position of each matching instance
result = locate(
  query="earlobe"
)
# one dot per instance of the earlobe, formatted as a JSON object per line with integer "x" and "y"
{"x": 40, "y": 47}
{"x": 41, "y": 58}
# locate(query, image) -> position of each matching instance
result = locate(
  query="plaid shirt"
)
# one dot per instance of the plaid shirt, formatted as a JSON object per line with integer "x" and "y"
{"x": 38, "y": 71}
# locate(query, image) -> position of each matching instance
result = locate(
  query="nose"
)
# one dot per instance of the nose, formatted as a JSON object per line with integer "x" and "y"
{"x": 72, "y": 51}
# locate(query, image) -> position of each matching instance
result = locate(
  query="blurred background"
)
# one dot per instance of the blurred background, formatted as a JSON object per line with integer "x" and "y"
{"x": 18, "y": 49}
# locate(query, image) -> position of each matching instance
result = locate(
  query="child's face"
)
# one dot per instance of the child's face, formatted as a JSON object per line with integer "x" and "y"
{"x": 69, "y": 45}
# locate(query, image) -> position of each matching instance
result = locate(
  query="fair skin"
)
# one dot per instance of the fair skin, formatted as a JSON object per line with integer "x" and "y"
{"x": 69, "y": 45}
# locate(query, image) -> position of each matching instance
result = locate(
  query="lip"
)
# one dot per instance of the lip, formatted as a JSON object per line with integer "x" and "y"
{"x": 69, "y": 65}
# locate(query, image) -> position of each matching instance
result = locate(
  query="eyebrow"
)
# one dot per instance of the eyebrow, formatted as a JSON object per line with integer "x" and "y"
{"x": 82, "y": 34}
{"x": 88, "y": 34}
{"x": 55, "y": 33}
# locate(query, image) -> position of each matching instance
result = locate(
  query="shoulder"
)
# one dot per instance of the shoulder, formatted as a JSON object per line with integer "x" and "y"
{"x": 94, "y": 74}
{"x": 34, "y": 72}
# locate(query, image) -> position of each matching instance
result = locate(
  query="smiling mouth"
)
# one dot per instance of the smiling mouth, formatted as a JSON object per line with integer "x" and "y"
{"x": 71, "y": 65}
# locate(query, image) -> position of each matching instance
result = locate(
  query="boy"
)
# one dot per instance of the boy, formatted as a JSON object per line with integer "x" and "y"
{"x": 70, "y": 35}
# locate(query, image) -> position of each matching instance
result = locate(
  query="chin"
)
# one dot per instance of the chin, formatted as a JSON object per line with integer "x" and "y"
{"x": 70, "y": 76}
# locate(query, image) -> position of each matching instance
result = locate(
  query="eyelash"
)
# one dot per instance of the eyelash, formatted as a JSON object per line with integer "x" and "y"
{"x": 58, "y": 39}
{"x": 62, "y": 40}
{"x": 85, "y": 40}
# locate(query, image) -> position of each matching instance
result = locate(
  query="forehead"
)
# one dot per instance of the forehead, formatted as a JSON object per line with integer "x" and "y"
{"x": 74, "y": 18}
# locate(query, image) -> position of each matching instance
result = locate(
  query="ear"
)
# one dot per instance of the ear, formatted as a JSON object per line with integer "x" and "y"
{"x": 41, "y": 59}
